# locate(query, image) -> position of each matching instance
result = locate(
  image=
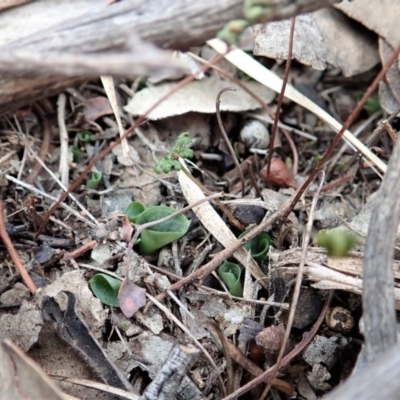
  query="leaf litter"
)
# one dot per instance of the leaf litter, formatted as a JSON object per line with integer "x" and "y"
{"x": 137, "y": 343}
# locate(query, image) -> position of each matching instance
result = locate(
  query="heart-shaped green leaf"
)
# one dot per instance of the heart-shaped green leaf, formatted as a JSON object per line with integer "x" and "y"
{"x": 94, "y": 181}
{"x": 258, "y": 246}
{"x": 106, "y": 288}
{"x": 230, "y": 274}
{"x": 161, "y": 234}
{"x": 134, "y": 210}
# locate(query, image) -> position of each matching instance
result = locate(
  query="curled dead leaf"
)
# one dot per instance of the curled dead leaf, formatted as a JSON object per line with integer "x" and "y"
{"x": 131, "y": 298}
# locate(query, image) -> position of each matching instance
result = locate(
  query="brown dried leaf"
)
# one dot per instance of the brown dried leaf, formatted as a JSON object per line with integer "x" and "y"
{"x": 197, "y": 96}
{"x": 131, "y": 297}
{"x": 97, "y": 107}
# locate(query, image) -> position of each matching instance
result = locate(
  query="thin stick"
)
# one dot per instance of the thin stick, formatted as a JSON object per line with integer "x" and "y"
{"x": 140, "y": 228}
{"x": 390, "y": 131}
{"x": 338, "y": 182}
{"x": 64, "y": 139}
{"x": 307, "y": 338}
{"x": 80, "y": 250}
{"x": 345, "y": 126}
{"x": 13, "y": 254}
{"x": 280, "y": 99}
{"x": 299, "y": 279}
{"x": 227, "y": 141}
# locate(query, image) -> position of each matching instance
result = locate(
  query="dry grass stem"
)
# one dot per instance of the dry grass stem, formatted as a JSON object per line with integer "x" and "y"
{"x": 64, "y": 140}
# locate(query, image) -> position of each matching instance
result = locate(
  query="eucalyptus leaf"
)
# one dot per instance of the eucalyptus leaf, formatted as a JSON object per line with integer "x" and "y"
{"x": 106, "y": 288}
{"x": 134, "y": 210}
{"x": 161, "y": 234}
{"x": 230, "y": 273}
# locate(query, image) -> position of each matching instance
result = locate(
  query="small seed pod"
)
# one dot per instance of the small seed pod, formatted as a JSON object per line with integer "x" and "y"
{"x": 339, "y": 319}
{"x": 279, "y": 175}
{"x": 255, "y": 135}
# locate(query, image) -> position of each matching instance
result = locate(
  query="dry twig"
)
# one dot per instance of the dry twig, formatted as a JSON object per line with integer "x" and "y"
{"x": 13, "y": 254}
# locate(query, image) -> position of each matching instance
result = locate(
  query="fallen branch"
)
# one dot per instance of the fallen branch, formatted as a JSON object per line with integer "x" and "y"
{"x": 111, "y": 41}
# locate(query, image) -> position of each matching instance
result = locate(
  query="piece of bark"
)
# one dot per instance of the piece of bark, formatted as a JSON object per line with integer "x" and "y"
{"x": 170, "y": 376}
{"x": 379, "y": 315}
{"x": 110, "y": 30}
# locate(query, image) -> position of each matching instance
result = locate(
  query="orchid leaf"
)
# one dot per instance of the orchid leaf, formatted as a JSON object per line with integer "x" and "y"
{"x": 134, "y": 210}
{"x": 106, "y": 288}
{"x": 230, "y": 273}
{"x": 258, "y": 246}
{"x": 161, "y": 234}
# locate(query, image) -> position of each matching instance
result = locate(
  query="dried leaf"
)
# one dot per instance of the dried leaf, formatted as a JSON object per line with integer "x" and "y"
{"x": 379, "y": 17}
{"x": 197, "y": 96}
{"x": 131, "y": 297}
{"x": 97, "y": 107}
{"x": 325, "y": 37}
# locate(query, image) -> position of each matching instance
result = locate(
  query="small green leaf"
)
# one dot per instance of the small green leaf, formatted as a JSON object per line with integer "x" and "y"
{"x": 85, "y": 136}
{"x": 94, "y": 181}
{"x": 106, "y": 288}
{"x": 230, "y": 273}
{"x": 161, "y": 234}
{"x": 372, "y": 105}
{"x": 76, "y": 154}
{"x": 134, "y": 210}
{"x": 258, "y": 246}
{"x": 337, "y": 243}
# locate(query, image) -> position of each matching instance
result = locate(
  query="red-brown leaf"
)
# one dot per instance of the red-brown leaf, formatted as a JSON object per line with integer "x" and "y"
{"x": 131, "y": 297}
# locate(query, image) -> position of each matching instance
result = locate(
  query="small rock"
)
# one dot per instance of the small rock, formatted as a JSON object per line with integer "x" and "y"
{"x": 249, "y": 215}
